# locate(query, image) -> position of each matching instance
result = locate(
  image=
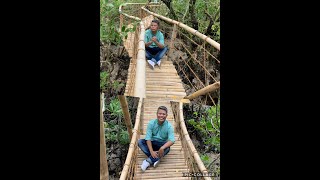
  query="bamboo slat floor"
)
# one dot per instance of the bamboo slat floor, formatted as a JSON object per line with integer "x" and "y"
{"x": 163, "y": 85}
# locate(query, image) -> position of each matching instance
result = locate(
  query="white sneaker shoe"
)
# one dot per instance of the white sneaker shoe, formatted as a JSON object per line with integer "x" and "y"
{"x": 151, "y": 63}
{"x": 159, "y": 62}
{"x": 145, "y": 165}
{"x": 155, "y": 164}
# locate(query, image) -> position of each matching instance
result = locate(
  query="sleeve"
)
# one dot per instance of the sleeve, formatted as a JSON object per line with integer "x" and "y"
{"x": 161, "y": 39}
{"x": 171, "y": 134}
{"x": 149, "y": 131}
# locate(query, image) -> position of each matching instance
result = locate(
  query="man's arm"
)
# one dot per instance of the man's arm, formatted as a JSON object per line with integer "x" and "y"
{"x": 169, "y": 143}
{"x": 148, "y": 43}
{"x": 153, "y": 153}
{"x": 148, "y": 139}
{"x": 155, "y": 40}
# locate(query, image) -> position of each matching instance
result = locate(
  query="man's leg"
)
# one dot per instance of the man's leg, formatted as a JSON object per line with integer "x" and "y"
{"x": 156, "y": 146}
{"x": 161, "y": 53}
{"x": 142, "y": 143}
{"x": 149, "y": 56}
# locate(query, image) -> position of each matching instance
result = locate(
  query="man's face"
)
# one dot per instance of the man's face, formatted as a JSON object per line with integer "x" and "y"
{"x": 161, "y": 115}
{"x": 154, "y": 26}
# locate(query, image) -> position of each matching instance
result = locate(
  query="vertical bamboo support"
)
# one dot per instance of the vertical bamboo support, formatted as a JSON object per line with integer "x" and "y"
{"x": 126, "y": 114}
{"x": 121, "y": 18}
{"x": 173, "y": 37}
{"x": 104, "y": 173}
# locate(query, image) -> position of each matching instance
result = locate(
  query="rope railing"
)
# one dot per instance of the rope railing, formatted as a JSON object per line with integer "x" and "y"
{"x": 192, "y": 157}
{"x": 129, "y": 165}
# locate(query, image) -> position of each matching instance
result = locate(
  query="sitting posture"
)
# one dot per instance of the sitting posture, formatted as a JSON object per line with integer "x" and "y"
{"x": 154, "y": 42}
{"x": 159, "y": 138}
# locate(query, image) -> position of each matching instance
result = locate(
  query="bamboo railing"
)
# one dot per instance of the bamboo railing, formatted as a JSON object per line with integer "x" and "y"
{"x": 200, "y": 56}
{"x": 192, "y": 157}
{"x": 138, "y": 74}
{"x": 129, "y": 165}
{"x": 137, "y": 77}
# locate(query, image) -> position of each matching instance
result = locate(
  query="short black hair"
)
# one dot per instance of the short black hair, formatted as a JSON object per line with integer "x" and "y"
{"x": 163, "y": 108}
{"x": 155, "y": 21}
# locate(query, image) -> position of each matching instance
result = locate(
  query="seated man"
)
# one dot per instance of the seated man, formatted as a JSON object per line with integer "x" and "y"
{"x": 159, "y": 138}
{"x": 154, "y": 42}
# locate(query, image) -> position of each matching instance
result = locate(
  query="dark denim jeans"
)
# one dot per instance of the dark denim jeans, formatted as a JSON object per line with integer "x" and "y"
{"x": 156, "y": 145}
{"x": 155, "y": 53}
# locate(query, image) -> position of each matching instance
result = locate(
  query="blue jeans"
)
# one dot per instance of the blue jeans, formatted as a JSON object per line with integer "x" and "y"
{"x": 155, "y": 53}
{"x": 142, "y": 143}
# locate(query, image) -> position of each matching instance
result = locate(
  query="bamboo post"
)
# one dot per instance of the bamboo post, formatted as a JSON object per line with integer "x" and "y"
{"x": 173, "y": 37}
{"x": 104, "y": 172}
{"x": 126, "y": 114}
{"x": 204, "y": 90}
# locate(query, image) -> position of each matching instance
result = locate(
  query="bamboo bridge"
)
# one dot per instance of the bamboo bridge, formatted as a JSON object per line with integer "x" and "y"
{"x": 162, "y": 86}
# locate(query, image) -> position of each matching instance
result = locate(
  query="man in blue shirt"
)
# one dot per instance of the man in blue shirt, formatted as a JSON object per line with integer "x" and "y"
{"x": 154, "y": 42}
{"x": 159, "y": 138}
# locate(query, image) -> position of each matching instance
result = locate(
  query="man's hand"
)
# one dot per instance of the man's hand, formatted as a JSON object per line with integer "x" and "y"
{"x": 154, "y": 154}
{"x": 154, "y": 39}
{"x": 161, "y": 152}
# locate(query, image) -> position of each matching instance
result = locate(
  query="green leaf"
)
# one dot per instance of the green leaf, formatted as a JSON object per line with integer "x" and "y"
{"x": 110, "y": 5}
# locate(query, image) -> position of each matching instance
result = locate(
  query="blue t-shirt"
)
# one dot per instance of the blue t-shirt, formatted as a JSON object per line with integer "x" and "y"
{"x": 161, "y": 133}
{"x": 148, "y": 36}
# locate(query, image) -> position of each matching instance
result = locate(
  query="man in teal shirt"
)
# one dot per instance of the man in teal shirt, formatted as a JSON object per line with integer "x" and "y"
{"x": 154, "y": 42}
{"x": 159, "y": 138}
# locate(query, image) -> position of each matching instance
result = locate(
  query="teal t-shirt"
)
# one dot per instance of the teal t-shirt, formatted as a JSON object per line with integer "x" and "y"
{"x": 148, "y": 36}
{"x": 161, "y": 133}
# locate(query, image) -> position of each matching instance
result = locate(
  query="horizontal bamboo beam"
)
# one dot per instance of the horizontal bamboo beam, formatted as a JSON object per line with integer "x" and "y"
{"x": 187, "y": 28}
{"x": 205, "y": 90}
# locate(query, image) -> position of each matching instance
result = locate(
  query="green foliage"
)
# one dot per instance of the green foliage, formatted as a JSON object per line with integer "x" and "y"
{"x": 115, "y": 133}
{"x": 181, "y": 7}
{"x": 208, "y": 126}
{"x": 109, "y": 22}
{"x": 106, "y": 85}
{"x": 104, "y": 80}
{"x": 114, "y": 108}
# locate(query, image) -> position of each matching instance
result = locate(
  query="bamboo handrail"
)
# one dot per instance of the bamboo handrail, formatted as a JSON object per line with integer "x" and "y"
{"x": 205, "y": 90}
{"x": 140, "y": 81}
{"x": 187, "y": 28}
{"x": 185, "y": 135}
{"x": 133, "y": 142}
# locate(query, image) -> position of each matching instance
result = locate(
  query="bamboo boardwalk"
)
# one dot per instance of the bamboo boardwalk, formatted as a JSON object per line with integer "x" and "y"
{"x": 163, "y": 85}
